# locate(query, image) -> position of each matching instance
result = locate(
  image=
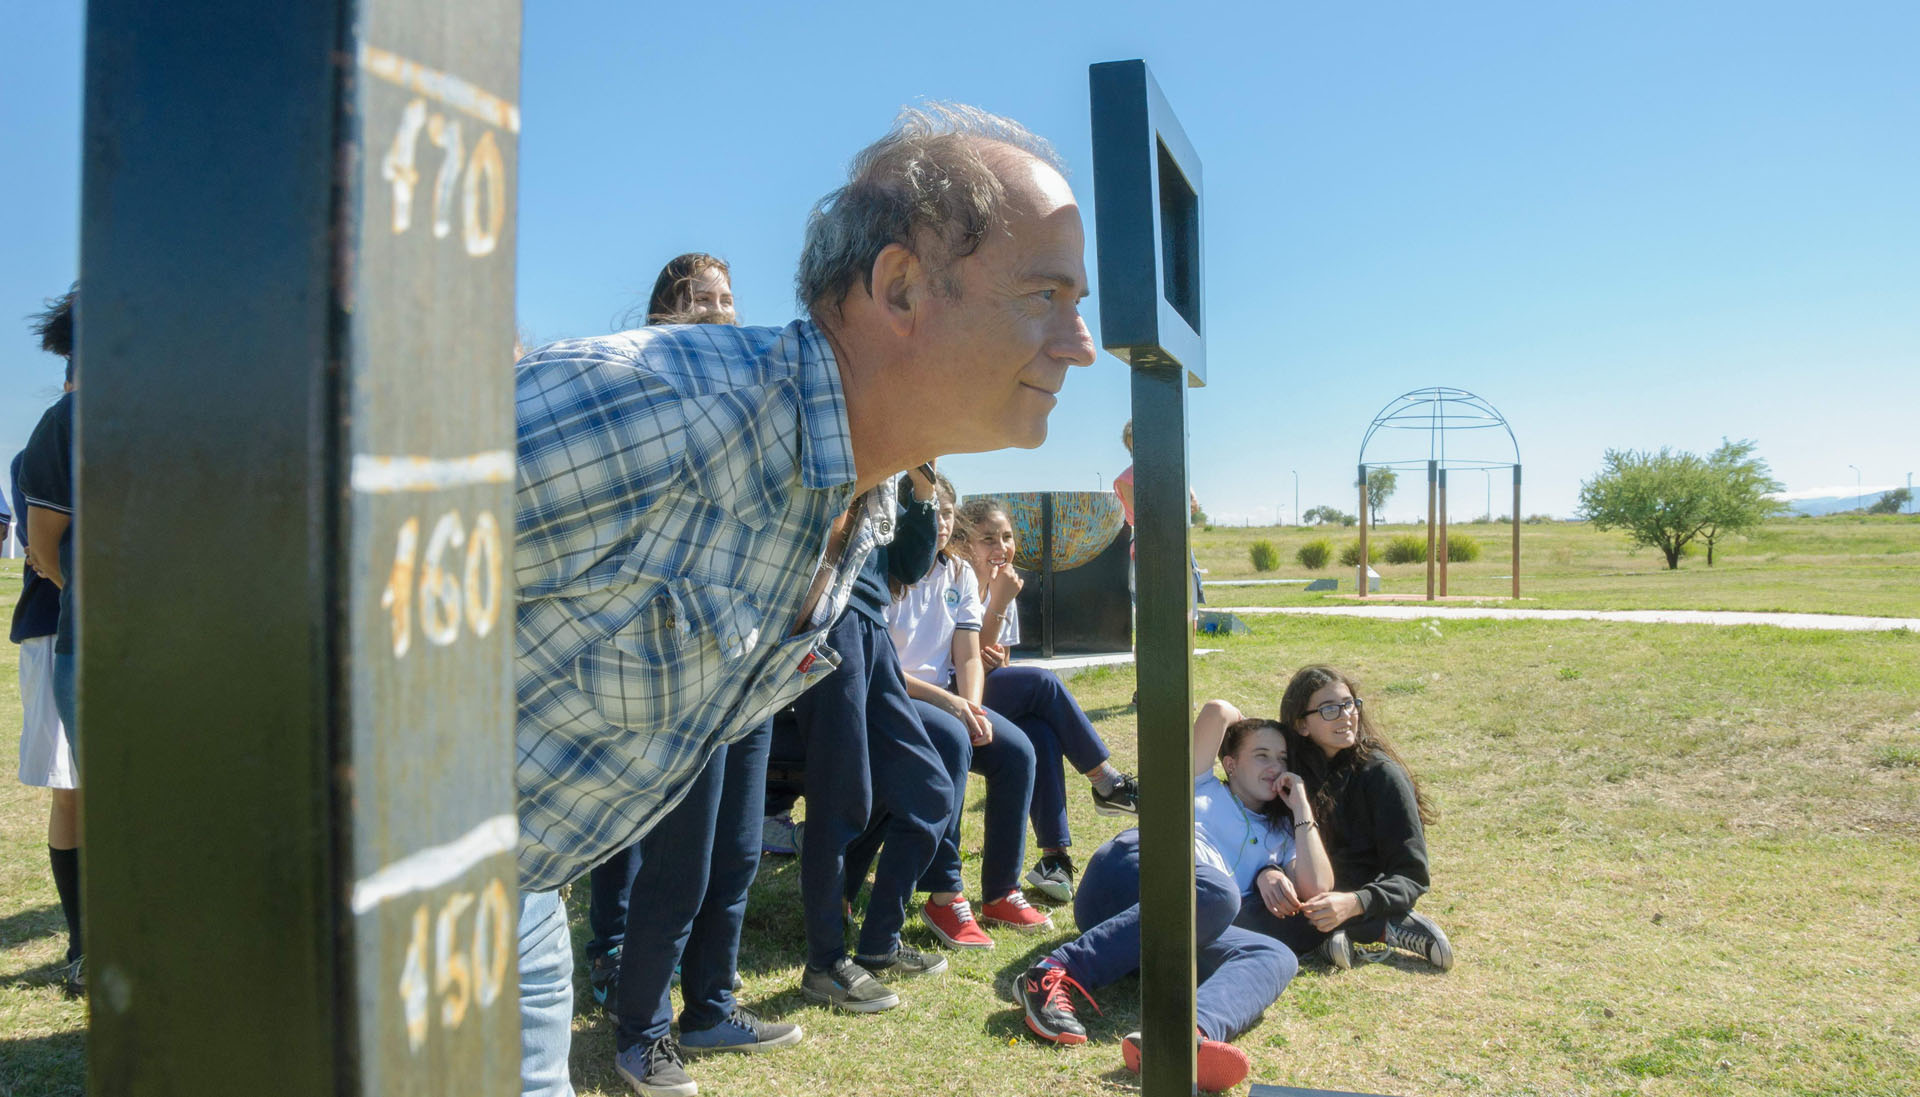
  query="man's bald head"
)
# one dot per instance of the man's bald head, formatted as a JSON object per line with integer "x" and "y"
{"x": 941, "y": 179}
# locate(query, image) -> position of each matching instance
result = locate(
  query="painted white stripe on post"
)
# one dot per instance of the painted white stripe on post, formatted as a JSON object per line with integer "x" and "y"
{"x": 386, "y": 475}
{"x": 429, "y": 868}
{"x": 441, "y": 87}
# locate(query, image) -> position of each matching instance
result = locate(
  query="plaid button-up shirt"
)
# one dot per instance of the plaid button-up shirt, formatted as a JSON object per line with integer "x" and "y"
{"x": 676, "y": 489}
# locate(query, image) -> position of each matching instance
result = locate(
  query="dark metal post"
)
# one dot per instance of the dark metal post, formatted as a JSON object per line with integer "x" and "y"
{"x": 296, "y": 455}
{"x": 1146, "y": 181}
{"x": 1444, "y": 551}
{"x": 1046, "y": 575}
{"x": 1360, "y": 576}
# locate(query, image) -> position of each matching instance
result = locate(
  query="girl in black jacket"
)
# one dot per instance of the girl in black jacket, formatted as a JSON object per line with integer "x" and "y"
{"x": 1374, "y": 815}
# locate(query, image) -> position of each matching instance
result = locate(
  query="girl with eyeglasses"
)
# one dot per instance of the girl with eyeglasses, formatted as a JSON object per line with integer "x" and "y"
{"x": 1374, "y": 815}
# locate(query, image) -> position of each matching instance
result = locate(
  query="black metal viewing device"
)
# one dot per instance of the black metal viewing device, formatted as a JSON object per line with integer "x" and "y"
{"x": 295, "y": 333}
{"x": 1146, "y": 185}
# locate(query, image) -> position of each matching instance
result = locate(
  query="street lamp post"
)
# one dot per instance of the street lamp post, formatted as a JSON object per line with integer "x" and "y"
{"x": 1859, "y": 497}
{"x": 1489, "y": 475}
{"x": 1296, "y": 496}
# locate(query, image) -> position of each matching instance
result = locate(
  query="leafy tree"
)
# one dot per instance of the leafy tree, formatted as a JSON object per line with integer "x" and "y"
{"x": 1332, "y": 516}
{"x": 1740, "y": 500}
{"x": 1666, "y": 499}
{"x": 1893, "y": 502}
{"x": 1380, "y": 485}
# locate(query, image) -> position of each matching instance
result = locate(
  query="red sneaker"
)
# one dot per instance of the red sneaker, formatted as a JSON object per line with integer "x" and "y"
{"x": 1218, "y": 1067}
{"x": 954, "y": 924}
{"x": 1013, "y": 910}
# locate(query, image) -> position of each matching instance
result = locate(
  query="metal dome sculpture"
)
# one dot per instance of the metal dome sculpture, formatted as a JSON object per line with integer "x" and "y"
{"x": 1443, "y": 415}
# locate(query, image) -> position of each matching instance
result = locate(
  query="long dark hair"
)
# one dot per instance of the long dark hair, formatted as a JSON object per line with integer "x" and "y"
{"x": 672, "y": 299}
{"x": 1308, "y": 760}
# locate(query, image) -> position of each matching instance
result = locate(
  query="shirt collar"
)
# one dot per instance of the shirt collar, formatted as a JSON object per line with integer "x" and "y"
{"x": 826, "y": 440}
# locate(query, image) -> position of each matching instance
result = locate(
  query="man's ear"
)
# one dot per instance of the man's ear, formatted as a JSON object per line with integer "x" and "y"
{"x": 899, "y": 285}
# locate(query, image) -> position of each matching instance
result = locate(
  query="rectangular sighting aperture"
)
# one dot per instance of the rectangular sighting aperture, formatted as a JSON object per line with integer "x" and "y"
{"x": 1179, "y": 239}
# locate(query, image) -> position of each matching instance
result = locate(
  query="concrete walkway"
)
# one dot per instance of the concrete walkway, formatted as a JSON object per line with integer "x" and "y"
{"x": 1404, "y": 612}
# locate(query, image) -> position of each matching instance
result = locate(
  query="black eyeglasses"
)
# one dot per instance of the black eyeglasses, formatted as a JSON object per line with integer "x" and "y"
{"x": 1333, "y": 710}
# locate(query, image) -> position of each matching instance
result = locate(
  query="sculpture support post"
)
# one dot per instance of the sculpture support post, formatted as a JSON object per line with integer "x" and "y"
{"x": 1360, "y": 570}
{"x": 1516, "y": 530}
{"x": 1146, "y": 180}
{"x": 1442, "y": 534}
{"x": 295, "y": 458}
{"x": 1433, "y": 499}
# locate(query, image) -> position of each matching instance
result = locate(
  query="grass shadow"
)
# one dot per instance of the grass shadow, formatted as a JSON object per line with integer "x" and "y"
{"x": 45, "y": 1066}
{"x": 24, "y": 925}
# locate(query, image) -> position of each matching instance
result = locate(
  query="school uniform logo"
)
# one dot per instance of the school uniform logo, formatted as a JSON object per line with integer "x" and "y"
{"x": 953, "y": 597}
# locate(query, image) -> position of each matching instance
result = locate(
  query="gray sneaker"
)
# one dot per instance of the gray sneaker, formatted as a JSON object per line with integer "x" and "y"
{"x": 74, "y": 978}
{"x": 1337, "y": 951}
{"x": 1416, "y": 933}
{"x": 846, "y": 985}
{"x": 656, "y": 1070}
{"x": 779, "y": 836}
{"x": 743, "y": 1031}
{"x": 905, "y": 960}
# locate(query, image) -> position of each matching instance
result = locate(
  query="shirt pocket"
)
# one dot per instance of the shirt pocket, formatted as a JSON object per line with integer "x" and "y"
{"x": 673, "y": 662}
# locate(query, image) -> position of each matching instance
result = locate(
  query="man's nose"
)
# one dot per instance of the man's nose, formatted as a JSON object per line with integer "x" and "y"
{"x": 1076, "y": 346}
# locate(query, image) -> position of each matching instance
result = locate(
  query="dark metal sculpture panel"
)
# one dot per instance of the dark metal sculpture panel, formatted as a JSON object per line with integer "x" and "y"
{"x": 295, "y": 454}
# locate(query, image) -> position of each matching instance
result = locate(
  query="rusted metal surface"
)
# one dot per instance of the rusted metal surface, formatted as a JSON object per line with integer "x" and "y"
{"x": 1148, "y": 197}
{"x": 296, "y": 466}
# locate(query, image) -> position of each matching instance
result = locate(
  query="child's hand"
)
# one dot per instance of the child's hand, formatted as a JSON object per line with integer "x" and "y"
{"x": 1004, "y": 585}
{"x": 993, "y": 656}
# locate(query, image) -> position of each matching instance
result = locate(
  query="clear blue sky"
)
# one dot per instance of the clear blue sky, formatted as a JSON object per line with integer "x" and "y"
{"x": 1625, "y": 225}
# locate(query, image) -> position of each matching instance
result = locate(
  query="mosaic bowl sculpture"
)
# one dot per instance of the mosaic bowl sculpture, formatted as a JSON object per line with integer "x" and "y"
{"x": 1084, "y": 524}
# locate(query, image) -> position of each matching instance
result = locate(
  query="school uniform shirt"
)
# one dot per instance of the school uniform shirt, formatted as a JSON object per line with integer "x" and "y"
{"x": 1234, "y": 840}
{"x": 923, "y": 620}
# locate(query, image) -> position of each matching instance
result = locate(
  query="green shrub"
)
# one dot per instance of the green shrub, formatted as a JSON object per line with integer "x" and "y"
{"x": 1405, "y": 548}
{"x": 1350, "y": 553}
{"x": 1265, "y": 556}
{"x": 1315, "y": 553}
{"x": 1462, "y": 549}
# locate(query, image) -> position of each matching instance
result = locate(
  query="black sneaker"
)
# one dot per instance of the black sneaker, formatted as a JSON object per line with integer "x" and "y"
{"x": 846, "y": 985}
{"x": 1123, "y": 800}
{"x": 603, "y": 977}
{"x": 905, "y": 960}
{"x": 1042, "y": 991}
{"x": 1052, "y": 876}
{"x": 656, "y": 1070}
{"x": 1336, "y": 950}
{"x": 1417, "y": 934}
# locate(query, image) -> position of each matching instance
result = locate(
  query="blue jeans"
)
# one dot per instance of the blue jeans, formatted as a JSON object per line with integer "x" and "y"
{"x": 866, "y": 752}
{"x": 1240, "y": 972}
{"x": 546, "y": 996}
{"x": 692, "y": 875}
{"x": 1036, "y": 701}
{"x": 608, "y": 885}
{"x": 1007, "y": 764}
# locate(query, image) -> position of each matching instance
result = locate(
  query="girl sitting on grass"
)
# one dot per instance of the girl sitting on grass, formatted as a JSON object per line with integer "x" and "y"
{"x": 1255, "y": 844}
{"x": 1038, "y": 704}
{"x": 1375, "y": 819}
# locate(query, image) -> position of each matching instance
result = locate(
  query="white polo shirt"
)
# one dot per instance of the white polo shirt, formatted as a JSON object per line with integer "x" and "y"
{"x": 923, "y": 620}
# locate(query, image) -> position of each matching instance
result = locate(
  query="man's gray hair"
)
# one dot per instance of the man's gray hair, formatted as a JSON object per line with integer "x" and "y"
{"x": 929, "y": 185}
